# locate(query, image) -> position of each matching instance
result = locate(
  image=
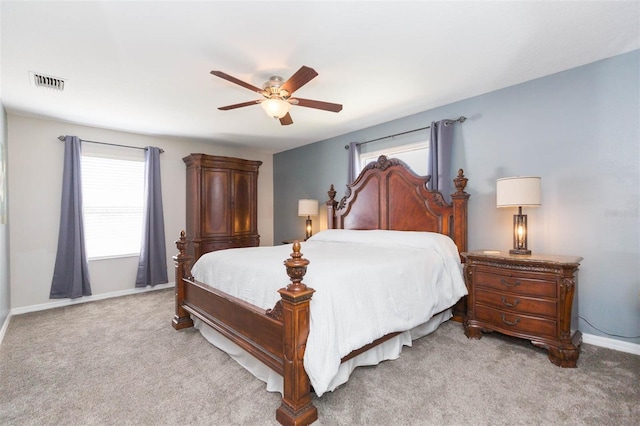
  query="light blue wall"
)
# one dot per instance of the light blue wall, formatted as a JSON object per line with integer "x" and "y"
{"x": 578, "y": 130}
{"x": 4, "y": 228}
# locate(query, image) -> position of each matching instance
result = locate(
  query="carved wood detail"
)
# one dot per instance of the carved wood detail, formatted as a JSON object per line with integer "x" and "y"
{"x": 367, "y": 203}
{"x": 276, "y": 311}
{"x": 460, "y": 182}
{"x": 522, "y": 266}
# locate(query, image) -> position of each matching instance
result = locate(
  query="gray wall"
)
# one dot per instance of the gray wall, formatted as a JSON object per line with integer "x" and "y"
{"x": 4, "y": 228}
{"x": 578, "y": 130}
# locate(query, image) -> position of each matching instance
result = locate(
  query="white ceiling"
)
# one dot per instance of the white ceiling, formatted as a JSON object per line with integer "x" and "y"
{"x": 144, "y": 66}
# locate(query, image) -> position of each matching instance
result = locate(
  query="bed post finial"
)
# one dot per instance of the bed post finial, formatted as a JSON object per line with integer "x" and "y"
{"x": 296, "y": 268}
{"x": 331, "y": 204}
{"x": 332, "y": 193}
{"x": 297, "y": 407}
{"x": 460, "y": 182}
{"x": 181, "y": 243}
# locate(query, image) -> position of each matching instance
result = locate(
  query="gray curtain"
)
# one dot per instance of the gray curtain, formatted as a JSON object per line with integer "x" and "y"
{"x": 71, "y": 271}
{"x": 354, "y": 162}
{"x": 152, "y": 266}
{"x": 440, "y": 152}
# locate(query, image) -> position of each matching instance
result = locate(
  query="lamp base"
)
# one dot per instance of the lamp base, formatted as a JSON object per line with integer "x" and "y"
{"x": 308, "y": 229}
{"x": 520, "y": 251}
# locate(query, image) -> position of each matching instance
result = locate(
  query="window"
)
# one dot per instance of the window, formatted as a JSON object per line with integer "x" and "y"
{"x": 112, "y": 197}
{"x": 414, "y": 154}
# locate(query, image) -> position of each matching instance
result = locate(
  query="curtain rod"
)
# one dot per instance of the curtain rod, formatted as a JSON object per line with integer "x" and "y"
{"x": 61, "y": 138}
{"x": 461, "y": 119}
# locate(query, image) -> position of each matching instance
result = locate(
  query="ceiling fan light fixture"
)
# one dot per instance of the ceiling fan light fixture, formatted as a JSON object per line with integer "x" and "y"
{"x": 277, "y": 93}
{"x": 276, "y": 108}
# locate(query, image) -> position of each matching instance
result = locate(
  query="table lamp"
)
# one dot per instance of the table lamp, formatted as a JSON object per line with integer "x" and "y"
{"x": 308, "y": 208}
{"x": 519, "y": 191}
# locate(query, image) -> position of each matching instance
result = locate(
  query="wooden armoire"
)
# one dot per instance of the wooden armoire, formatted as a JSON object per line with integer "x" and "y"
{"x": 222, "y": 203}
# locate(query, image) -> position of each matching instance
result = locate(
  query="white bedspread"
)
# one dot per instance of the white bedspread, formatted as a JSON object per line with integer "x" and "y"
{"x": 368, "y": 284}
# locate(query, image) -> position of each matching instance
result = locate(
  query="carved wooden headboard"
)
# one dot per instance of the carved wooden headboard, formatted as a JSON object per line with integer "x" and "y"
{"x": 388, "y": 195}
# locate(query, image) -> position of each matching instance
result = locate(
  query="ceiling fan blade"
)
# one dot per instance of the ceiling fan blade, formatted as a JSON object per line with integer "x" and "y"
{"x": 309, "y": 103}
{"x": 299, "y": 79}
{"x": 232, "y": 79}
{"x": 243, "y": 104}
{"x": 286, "y": 120}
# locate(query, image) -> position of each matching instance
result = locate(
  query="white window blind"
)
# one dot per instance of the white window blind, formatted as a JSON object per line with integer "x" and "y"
{"x": 112, "y": 197}
{"x": 415, "y": 155}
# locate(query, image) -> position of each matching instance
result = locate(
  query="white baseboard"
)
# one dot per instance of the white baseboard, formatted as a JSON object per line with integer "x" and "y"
{"x": 3, "y": 330}
{"x": 609, "y": 343}
{"x": 68, "y": 302}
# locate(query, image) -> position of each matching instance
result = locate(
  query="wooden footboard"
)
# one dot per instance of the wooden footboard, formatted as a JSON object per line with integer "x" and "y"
{"x": 277, "y": 337}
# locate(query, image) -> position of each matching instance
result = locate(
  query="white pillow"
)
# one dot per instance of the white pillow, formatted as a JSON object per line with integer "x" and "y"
{"x": 415, "y": 239}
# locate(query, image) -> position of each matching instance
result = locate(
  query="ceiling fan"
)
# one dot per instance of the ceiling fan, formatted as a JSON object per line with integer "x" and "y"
{"x": 277, "y": 94}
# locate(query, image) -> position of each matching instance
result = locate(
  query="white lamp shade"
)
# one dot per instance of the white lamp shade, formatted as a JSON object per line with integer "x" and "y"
{"x": 276, "y": 108}
{"x": 518, "y": 191}
{"x": 307, "y": 207}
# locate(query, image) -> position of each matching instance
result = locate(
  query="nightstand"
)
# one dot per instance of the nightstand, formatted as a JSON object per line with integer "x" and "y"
{"x": 531, "y": 297}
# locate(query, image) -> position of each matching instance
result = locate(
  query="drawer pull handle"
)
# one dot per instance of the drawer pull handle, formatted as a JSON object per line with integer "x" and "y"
{"x": 504, "y": 320}
{"x": 508, "y": 284}
{"x": 507, "y": 304}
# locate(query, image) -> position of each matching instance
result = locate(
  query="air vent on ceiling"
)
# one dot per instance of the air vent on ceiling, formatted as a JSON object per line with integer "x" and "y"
{"x": 47, "y": 81}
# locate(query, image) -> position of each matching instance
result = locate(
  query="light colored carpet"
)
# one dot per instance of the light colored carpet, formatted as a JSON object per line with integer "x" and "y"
{"x": 119, "y": 361}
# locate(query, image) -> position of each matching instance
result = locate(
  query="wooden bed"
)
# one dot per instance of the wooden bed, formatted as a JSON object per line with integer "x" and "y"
{"x": 386, "y": 195}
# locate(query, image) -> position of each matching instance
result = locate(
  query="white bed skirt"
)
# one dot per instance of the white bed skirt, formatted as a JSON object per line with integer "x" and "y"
{"x": 390, "y": 349}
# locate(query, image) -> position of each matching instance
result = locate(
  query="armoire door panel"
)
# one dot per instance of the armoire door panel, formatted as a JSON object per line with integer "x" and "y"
{"x": 242, "y": 203}
{"x": 217, "y": 208}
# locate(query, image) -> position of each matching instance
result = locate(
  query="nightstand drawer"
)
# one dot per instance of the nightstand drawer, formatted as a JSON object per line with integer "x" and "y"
{"x": 517, "y": 303}
{"x": 516, "y": 323}
{"x": 516, "y": 283}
